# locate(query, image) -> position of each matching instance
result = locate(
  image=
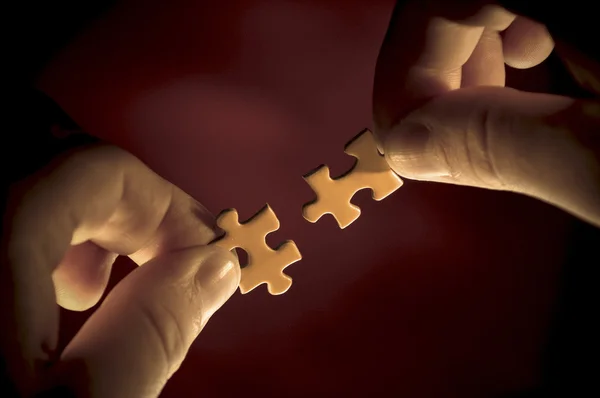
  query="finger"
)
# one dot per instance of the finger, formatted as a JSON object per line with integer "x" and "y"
{"x": 541, "y": 145}
{"x": 80, "y": 282}
{"x": 81, "y": 277}
{"x": 485, "y": 67}
{"x": 526, "y": 44}
{"x": 141, "y": 333}
{"x": 103, "y": 195}
{"x": 573, "y": 23}
{"x": 573, "y": 30}
{"x": 423, "y": 54}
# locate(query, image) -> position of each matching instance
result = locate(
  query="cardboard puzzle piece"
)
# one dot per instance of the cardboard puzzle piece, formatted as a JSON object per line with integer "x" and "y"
{"x": 334, "y": 195}
{"x": 265, "y": 265}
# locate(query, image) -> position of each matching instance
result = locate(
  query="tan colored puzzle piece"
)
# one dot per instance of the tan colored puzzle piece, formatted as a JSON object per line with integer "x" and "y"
{"x": 334, "y": 195}
{"x": 265, "y": 265}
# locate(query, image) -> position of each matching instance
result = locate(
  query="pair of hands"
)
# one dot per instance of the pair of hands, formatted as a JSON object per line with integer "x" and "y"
{"x": 441, "y": 113}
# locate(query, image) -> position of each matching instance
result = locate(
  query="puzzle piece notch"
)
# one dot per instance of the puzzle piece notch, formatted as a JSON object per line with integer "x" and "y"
{"x": 334, "y": 195}
{"x": 265, "y": 265}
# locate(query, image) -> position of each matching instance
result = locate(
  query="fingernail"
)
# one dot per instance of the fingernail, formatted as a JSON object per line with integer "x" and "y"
{"x": 410, "y": 152}
{"x": 217, "y": 278}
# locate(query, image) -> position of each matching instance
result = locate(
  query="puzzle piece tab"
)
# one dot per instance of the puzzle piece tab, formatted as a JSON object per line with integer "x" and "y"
{"x": 334, "y": 195}
{"x": 265, "y": 265}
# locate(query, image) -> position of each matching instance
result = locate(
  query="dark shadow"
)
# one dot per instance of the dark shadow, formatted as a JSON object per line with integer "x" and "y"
{"x": 242, "y": 256}
{"x": 569, "y": 363}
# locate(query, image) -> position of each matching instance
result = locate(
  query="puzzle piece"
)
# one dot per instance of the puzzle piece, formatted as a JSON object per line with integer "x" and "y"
{"x": 265, "y": 265}
{"x": 334, "y": 195}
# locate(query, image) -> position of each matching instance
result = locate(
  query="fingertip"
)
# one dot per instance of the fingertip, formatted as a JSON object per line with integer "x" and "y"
{"x": 411, "y": 153}
{"x": 491, "y": 16}
{"x": 217, "y": 278}
{"x": 82, "y": 276}
{"x": 77, "y": 302}
{"x": 526, "y": 44}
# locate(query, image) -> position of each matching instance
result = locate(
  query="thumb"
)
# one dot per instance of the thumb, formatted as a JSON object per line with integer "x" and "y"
{"x": 142, "y": 332}
{"x": 541, "y": 145}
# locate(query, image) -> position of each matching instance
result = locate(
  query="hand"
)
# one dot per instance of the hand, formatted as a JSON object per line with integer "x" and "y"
{"x": 442, "y": 111}
{"x": 63, "y": 230}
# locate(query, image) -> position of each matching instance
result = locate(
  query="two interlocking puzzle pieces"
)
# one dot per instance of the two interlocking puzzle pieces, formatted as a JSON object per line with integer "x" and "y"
{"x": 333, "y": 196}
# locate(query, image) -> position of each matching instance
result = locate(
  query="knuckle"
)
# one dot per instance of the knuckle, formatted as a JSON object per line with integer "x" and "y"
{"x": 165, "y": 329}
{"x": 99, "y": 158}
{"x": 480, "y": 146}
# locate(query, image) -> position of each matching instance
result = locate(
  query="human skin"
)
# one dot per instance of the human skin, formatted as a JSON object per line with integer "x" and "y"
{"x": 162, "y": 110}
{"x": 443, "y": 111}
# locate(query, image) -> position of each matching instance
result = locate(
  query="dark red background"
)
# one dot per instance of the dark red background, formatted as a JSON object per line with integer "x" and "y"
{"x": 435, "y": 291}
